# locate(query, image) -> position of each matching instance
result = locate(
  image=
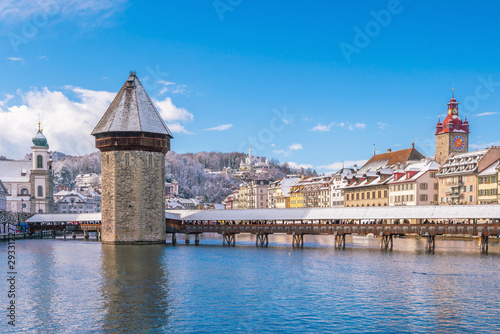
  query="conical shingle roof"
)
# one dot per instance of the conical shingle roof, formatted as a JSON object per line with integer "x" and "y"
{"x": 132, "y": 111}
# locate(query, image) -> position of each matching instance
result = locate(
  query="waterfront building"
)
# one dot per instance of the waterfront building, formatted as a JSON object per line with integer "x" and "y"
{"x": 498, "y": 179}
{"x": 257, "y": 194}
{"x": 368, "y": 187}
{"x": 243, "y": 202}
{"x": 75, "y": 202}
{"x": 3, "y": 196}
{"x": 30, "y": 184}
{"x": 232, "y": 200}
{"x": 452, "y": 136}
{"x": 278, "y": 192}
{"x": 457, "y": 176}
{"x": 487, "y": 185}
{"x": 416, "y": 184}
{"x": 133, "y": 140}
{"x": 337, "y": 183}
{"x": 316, "y": 191}
{"x": 296, "y": 194}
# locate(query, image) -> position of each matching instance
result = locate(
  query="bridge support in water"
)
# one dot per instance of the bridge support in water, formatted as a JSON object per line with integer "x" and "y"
{"x": 298, "y": 240}
{"x": 483, "y": 242}
{"x": 386, "y": 241}
{"x": 187, "y": 239}
{"x": 340, "y": 241}
{"x": 262, "y": 238}
{"x": 229, "y": 239}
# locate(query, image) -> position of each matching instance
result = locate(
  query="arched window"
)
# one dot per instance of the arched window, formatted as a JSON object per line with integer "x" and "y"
{"x": 24, "y": 191}
{"x": 40, "y": 191}
{"x": 39, "y": 161}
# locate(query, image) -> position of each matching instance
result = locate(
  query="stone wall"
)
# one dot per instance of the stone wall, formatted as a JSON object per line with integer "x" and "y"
{"x": 133, "y": 197}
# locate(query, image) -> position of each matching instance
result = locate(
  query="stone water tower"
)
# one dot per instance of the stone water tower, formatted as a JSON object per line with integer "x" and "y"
{"x": 133, "y": 140}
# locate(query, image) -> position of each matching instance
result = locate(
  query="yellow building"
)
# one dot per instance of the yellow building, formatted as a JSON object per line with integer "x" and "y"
{"x": 297, "y": 196}
{"x": 243, "y": 197}
{"x": 488, "y": 185}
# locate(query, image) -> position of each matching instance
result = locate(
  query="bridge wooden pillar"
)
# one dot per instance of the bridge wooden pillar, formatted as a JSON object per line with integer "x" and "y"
{"x": 174, "y": 238}
{"x": 483, "y": 242}
{"x": 431, "y": 240}
{"x": 186, "y": 238}
{"x": 340, "y": 241}
{"x": 262, "y": 238}
{"x": 85, "y": 234}
{"x": 197, "y": 239}
{"x": 229, "y": 239}
{"x": 386, "y": 241}
{"x": 297, "y": 240}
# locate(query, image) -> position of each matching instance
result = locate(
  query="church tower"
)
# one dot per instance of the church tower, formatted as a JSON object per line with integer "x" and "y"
{"x": 133, "y": 140}
{"x": 41, "y": 177}
{"x": 452, "y": 136}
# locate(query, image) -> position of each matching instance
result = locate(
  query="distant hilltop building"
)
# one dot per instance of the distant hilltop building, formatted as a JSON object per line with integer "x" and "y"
{"x": 87, "y": 180}
{"x": 30, "y": 184}
{"x": 253, "y": 163}
{"x": 133, "y": 140}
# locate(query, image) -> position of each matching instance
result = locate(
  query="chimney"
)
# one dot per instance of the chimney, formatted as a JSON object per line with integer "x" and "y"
{"x": 389, "y": 150}
{"x": 355, "y": 167}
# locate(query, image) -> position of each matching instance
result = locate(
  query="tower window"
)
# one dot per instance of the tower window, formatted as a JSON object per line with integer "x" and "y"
{"x": 24, "y": 191}
{"x": 107, "y": 159}
{"x": 40, "y": 191}
{"x": 39, "y": 161}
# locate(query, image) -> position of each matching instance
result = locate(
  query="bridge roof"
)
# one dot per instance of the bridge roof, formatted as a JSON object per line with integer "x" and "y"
{"x": 64, "y": 217}
{"x": 400, "y": 212}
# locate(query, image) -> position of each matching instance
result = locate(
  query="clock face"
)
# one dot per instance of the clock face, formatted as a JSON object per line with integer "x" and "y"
{"x": 455, "y": 111}
{"x": 458, "y": 143}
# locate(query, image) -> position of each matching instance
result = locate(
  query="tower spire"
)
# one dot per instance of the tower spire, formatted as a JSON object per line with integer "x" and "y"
{"x": 453, "y": 92}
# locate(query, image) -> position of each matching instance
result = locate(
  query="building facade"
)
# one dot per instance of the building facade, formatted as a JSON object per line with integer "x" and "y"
{"x": 279, "y": 192}
{"x": 457, "y": 176}
{"x": 414, "y": 185}
{"x": 257, "y": 194}
{"x": 337, "y": 183}
{"x": 3, "y": 197}
{"x": 487, "y": 185}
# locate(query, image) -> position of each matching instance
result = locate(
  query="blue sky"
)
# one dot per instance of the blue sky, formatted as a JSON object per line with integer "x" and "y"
{"x": 311, "y": 83}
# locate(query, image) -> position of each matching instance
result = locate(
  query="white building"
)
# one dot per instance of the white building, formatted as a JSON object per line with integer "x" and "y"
{"x": 416, "y": 184}
{"x": 337, "y": 182}
{"x": 30, "y": 183}
{"x": 278, "y": 192}
{"x": 74, "y": 202}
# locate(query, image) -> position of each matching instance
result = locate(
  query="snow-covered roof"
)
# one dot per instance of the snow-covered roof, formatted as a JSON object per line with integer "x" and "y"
{"x": 12, "y": 171}
{"x": 64, "y": 217}
{"x": 419, "y": 168}
{"x": 132, "y": 111}
{"x": 491, "y": 170}
{"x": 400, "y": 212}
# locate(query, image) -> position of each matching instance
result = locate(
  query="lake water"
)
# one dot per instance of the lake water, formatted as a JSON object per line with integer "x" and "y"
{"x": 76, "y": 286}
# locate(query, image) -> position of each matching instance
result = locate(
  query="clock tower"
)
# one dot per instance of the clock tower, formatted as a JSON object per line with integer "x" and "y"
{"x": 452, "y": 136}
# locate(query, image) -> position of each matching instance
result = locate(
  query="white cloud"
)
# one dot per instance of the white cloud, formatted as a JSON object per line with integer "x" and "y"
{"x": 322, "y": 128}
{"x": 15, "y": 11}
{"x": 360, "y": 125}
{"x": 169, "y": 112}
{"x": 382, "y": 125}
{"x": 176, "y": 127}
{"x": 295, "y": 165}
{"x": 67, "y": 123}
{"x": 173, "y": 115}
{"x": 339, "y": 164}
{"x": 483, "y": 145}
{"x": 286, "y": 153}
{"x": 8, "y": 97}
{"x": 487, "y": 114}
{"x": 220, "y": 127}
{"x": 18, "y": 59}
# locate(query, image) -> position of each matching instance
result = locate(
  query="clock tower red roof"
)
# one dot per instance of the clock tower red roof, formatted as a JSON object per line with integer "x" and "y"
{"x": 452, "y": 122}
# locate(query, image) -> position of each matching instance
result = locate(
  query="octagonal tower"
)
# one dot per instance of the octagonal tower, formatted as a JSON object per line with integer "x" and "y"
{"x": 133, "y": 140}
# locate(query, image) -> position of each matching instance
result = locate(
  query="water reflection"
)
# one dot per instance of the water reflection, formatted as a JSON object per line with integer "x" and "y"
{"x": 134, "y": 289}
